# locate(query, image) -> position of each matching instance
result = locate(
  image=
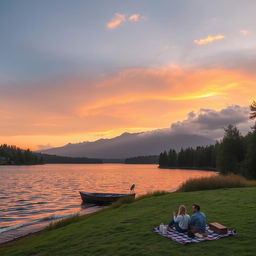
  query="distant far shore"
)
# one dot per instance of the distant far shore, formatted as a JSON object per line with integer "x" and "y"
{"x": 190, "y": 168}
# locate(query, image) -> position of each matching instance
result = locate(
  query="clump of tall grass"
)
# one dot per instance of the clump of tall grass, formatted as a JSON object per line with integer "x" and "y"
{"x": 153, "y": 194}
{"x": 121, "y": 201}
{"x": 128, "y": 200}
{"x": 63, "y": 222}
{"x": 214, "y": 182}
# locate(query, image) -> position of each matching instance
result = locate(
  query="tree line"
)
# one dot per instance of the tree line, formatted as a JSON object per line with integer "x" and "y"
{"x": 142, "y": 160}
{"x": 233, "y": 154}
{"x": 199, "y": 157}
{"x": 53, "y": 159}
{"x": 15, "y": 155}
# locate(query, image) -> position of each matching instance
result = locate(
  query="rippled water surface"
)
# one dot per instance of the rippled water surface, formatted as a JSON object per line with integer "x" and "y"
{"x": 29, "y": 194}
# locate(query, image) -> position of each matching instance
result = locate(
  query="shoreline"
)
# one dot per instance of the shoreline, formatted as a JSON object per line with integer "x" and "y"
{"x": 116, "y": 236}
{"x": 19, "y": 233}
{"x": 16, "y": 234}
{"x": 189, "y": 168}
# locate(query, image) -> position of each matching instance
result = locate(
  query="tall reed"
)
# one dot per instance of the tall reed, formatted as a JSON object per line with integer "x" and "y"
{"x": 214, "y": 182}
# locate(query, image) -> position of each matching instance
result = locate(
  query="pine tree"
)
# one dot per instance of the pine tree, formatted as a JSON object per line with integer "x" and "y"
{"x": 253, "y": 113}
{"x": 172, "y": 158}
{"x": 231, "y": 151}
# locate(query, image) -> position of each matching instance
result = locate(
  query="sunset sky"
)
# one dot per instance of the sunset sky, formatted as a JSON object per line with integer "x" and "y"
{"x": 81, "y": 70}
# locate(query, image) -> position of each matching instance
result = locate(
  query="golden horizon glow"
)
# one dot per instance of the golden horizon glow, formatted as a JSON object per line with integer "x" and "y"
{"x": 37, "y": 142}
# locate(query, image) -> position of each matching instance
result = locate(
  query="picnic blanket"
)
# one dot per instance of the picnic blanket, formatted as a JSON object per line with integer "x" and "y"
{"x": 183, "y": 238}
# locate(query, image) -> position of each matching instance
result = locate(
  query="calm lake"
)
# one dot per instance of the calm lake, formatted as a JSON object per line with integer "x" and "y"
{"x": 32, "y": 194}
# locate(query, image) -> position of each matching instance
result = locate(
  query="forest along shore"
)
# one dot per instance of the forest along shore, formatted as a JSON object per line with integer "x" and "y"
{"x": 14, "y": 234}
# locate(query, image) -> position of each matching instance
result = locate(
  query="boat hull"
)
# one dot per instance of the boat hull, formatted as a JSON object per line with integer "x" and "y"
{"x": 103, "y": 198}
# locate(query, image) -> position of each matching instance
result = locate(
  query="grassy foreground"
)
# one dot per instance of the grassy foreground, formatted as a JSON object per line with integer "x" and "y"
{"x": 126, "y": 230}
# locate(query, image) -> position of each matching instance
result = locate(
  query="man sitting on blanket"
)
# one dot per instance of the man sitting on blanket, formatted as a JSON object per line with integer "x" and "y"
{"x": 198, "y": 221}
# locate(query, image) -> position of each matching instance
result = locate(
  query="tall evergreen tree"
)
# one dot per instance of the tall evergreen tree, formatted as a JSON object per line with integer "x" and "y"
{"x": 231, "y": 151}
{"x": 249, "y": 169}
{"x": 253, "y": 113}
{"x": 172, "y": 158}
{"x": 163, "y": 159}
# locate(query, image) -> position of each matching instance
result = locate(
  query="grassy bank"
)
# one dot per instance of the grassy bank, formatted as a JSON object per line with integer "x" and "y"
{"x": 126, "y": 230}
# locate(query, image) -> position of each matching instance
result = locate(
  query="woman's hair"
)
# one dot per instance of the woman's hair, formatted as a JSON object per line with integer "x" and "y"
{"x": 182, "y": 210}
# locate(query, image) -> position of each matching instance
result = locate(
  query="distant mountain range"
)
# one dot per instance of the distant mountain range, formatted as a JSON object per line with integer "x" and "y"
{"x": 131, "y": 145}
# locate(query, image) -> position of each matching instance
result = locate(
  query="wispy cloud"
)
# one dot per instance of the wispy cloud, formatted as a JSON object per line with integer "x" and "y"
{"x": 135, "y": 17}
{"x": 245, "y": 32}
{"x": 120, "y": 18}
{"x": 116, "y": 21}
{"x": 208, "y": 39}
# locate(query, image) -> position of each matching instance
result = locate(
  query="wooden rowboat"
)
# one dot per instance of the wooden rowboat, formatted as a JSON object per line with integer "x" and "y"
{"x": 103, "y": 198}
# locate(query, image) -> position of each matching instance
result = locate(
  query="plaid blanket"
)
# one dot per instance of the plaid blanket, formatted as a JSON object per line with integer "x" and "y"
{"x": 182, "y": 238}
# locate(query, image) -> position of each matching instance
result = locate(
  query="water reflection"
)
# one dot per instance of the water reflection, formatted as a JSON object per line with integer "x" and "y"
{"x": 31, "y": 193}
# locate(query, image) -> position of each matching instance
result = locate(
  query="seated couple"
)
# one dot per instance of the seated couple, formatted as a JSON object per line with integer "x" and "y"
{"x": 183, "y": 222}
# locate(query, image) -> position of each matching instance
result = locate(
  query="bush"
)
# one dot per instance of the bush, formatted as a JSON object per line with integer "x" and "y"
{"x": 215, "y": 182}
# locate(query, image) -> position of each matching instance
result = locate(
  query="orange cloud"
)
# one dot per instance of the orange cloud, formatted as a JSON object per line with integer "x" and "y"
{"x": 162, "y": 86}
{"x": 134, "y": 99}
{"x": 208, "y": 39}
{"x": 116, "y": 21}
{"x": 245, "y": 32}
{"x": 134, "y": 17}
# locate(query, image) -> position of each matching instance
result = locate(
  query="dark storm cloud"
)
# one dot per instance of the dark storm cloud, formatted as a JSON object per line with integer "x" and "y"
{"x": 211, "y": 122}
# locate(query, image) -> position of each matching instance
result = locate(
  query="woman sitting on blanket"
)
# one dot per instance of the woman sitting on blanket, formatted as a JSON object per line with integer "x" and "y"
{"x": 181, "y": 220}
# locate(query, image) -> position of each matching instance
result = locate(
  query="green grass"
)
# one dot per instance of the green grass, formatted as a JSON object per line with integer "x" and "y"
{"x": 127, "y": 229}
{"x": 153, "y": 194}
{"x": 63, "y": 222}
{"x": 215, "y": 182}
